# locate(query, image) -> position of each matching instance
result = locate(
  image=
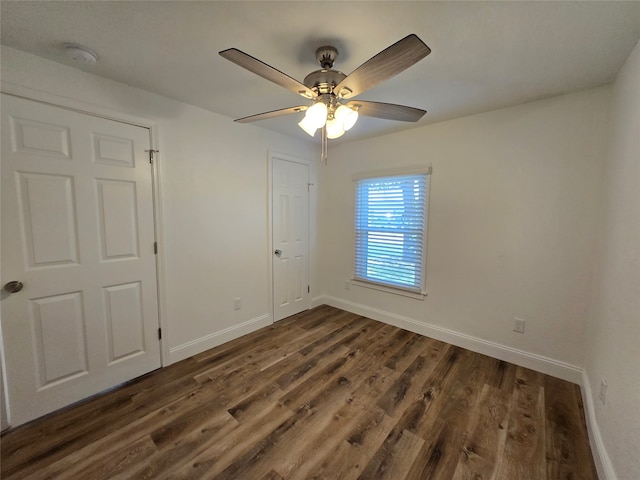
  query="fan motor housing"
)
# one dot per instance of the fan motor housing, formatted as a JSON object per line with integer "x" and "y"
{"x": 324, "y": 80}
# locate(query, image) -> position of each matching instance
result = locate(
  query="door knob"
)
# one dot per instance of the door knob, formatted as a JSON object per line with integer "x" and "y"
{"x": 13, "y": 287}
{"x": 278, "y": 252}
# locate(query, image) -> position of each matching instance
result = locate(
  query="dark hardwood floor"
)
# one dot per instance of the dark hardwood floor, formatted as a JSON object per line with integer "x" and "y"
{"x": 324, "y": 394}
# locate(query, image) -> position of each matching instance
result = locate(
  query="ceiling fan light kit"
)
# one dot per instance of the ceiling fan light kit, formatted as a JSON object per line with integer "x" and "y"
{"x": 334, "y": 128}
{"x": 307, "y": 125}
{"x": 347, "y": 116}
{"x": 329, "y": 88}
{"x": 316, "y": 115}
{"x": 327, "y": 112}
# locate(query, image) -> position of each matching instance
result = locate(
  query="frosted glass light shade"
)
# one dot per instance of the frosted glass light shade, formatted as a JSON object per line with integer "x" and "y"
{"x": 346, "y": 116}
{"x": 334, "y": 128}
{"x": 316, "y": 115}
{"x": 307, "y": 126}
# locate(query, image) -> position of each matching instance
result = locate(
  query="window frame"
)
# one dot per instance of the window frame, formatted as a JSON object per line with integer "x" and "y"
{"x": 426, "y": 171}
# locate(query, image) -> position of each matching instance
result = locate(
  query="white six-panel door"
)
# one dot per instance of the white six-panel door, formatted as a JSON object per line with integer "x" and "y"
{"x": 78, "y": 232}
{"x": 290, "y": 230}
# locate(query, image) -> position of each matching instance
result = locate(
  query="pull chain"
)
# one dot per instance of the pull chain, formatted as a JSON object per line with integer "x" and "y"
{"x": 323, "y": 155}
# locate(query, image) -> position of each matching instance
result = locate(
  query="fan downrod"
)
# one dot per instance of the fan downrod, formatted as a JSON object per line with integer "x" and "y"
{"x": 326, "y": 56}
{"x": 322, "y": 81}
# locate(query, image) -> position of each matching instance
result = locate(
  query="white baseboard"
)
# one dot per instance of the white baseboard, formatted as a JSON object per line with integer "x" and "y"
{"x": 549, "y": 366}
{"x": 317, "y": 301}
{"x": 539, "y": 363}
{"x": 600, "y": 455}
{"x": 201, "y": 344}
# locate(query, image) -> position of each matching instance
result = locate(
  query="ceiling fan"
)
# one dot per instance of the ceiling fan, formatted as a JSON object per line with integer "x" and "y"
{"x": 332, "y": 110}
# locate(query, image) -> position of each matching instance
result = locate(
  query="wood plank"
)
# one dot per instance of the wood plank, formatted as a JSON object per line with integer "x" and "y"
{"x": 501, "y": 374}
{"x": 440, "y": 454}
{"x": 304, "y": 434}
{"x": 209, "y": 455}
{"x": 329, "y": 445}
{"x": 318, "y": 438}
{"x": 196, "y": 408}
{"x": 180, "y": 450}
{"x": 461, "y": 388}
{"x": 567, "y": 445}
{"x": 435, "y": 415}
{"x": 272, "y": 475}
{"x": 323, "y": 394}
{"x": 410, "y": 383}
{"x": 314, "y": 363}
{"x": 265, "y": 353}
{"x": 97, "y": 463}
{"x": 289, "y": 438}
{"x": 348, "y": 458}
{"x": 486, "y": 437}
{"x": 350, "y": 326}
{"x": 405, "y": 356}
{"x": 394, "y": 457}
{"x": 58, "y": 435}
{"x": 524, "y": 455}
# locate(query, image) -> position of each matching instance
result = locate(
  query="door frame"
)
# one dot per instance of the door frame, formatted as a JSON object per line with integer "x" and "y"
{"x": 154, "y": 142}
{"x": 289, "y": 158}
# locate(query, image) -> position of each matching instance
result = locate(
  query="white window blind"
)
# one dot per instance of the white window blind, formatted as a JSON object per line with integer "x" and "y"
{"x": 390, "y": 231}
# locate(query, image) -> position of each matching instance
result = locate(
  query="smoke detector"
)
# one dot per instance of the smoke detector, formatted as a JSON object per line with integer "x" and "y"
{"x": 80, "y": 54}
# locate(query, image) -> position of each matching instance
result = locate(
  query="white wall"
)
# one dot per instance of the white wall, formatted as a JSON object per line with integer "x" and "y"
{"x": 511, "y": 228}
{"x": 213, "y": 175}
{"x": 613, "y": 344}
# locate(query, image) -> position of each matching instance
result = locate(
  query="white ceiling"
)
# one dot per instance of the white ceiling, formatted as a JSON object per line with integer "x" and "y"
{"x": 486, "y": 55}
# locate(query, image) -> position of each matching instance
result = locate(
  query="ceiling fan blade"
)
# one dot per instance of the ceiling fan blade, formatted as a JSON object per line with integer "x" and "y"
{"x": 388, "y": 111}
{"x": 260, "y": 68}
{"x": 271, "y": 114}
{"x": 386, "y": 64}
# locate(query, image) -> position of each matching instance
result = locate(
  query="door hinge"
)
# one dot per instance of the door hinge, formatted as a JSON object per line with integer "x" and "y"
{"x": 155, "y": 248}
{"x": 159, "y": 334}
{"x": 151, "y": 152}
{"x": 308, "y": 289}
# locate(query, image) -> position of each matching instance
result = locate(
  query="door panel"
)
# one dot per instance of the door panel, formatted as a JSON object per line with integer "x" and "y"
{"x": 290, "y": 217}
{"x": 60, "y": 338}
{"x": 123, "y": 304}
{"x": 46, "y": 208}
{"x": 78, "y": 231}
{"x": 117, "y": 217}
{"x": 40, "y": 138}
{"x": 112, "y": 150}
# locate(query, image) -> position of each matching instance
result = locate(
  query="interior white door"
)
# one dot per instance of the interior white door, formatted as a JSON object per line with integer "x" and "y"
{"x": 290, "y": 230}
{"x": 78, "y": 233}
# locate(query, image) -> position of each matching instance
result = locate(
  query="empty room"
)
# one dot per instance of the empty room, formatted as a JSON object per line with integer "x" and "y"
{"x": 284, "y": 240}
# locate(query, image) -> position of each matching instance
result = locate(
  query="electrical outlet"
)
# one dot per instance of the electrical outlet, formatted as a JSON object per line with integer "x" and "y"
{"x": 237, "y": 303}
{"x": 603, "y": 391}
{"x": 518, "y": 325}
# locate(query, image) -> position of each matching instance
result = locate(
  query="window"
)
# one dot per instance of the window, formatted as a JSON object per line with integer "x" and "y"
{"x": 390, "y": 231}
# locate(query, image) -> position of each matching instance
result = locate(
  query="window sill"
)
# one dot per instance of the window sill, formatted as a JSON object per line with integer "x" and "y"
{"x": 384, "y": 288}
